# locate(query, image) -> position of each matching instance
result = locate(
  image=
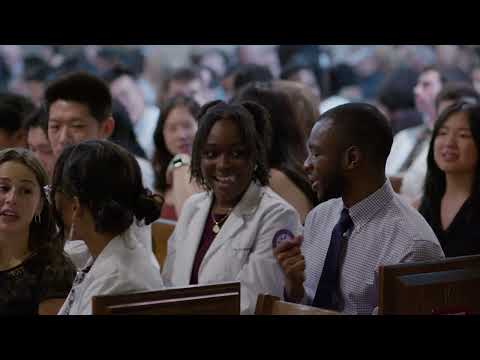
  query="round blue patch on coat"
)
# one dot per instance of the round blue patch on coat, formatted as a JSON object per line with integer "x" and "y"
{"x": 280, "y": 236}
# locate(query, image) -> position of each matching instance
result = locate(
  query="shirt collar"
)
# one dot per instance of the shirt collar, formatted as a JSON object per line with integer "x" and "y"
{"x": 364, "y": 210}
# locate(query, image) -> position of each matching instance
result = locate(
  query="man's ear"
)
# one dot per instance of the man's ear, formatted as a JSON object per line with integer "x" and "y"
{"x": 107, "y": 127}
{"x": 352, "y": 158}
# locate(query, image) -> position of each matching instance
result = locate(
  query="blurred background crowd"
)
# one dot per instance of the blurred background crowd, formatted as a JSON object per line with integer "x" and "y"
{"x": 384, "y": 75}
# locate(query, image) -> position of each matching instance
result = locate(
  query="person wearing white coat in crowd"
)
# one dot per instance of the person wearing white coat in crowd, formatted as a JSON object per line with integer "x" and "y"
{"x": 99, "y": 197}
{"x": 227, "y": 233}
{"x": 119, "y": 269}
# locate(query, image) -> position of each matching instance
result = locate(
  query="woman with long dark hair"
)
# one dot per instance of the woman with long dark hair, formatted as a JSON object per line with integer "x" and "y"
{"x": 173, "y": 140}
{"x": 35, "y": 273}
{"x": 451, "y": 202}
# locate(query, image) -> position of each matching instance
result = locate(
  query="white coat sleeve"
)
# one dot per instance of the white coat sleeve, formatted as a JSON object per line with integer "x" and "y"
{"x": 168, "y": 265}
{"x": 261, "y": 274}
{"x": 396, "y": 157}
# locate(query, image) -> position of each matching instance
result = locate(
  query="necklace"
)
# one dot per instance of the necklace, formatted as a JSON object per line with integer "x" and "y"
{"x": 218, "y": 224}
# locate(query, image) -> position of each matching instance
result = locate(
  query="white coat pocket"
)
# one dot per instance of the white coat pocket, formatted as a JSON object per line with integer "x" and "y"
{"x": 239, "y": 258}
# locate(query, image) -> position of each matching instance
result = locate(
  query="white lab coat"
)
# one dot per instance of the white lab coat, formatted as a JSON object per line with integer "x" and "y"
{"x": 242, "y": 250}
{"x": 403, "y": 144}
{"x": 119, "y": 269}
{"x": 78, "y": 251}
{"x": 148, "y": 175}
{"x": 414, "y": 178}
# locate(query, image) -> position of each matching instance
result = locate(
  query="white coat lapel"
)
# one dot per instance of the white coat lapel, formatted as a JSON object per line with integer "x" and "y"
{"x": 237, "y": 219}
{"x": 192, "y": 236}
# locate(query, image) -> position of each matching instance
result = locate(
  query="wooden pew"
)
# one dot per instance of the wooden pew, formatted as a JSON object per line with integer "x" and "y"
{"x": 438, "y": 287}
{"x": 215, "y": 299}
{"x": 272, "y": 305}
{"x": 161, "y": 231}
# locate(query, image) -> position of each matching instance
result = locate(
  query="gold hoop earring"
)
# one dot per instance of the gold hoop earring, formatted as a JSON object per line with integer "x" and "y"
{"x": 37, "y": 218}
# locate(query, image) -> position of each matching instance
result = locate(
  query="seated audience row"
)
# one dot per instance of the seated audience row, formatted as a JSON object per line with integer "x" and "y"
{"x": 231, "y": 175}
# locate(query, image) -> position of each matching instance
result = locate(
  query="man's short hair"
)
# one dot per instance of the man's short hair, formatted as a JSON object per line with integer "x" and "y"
{"x": 439, "y": 70}
{"x": 182, "y": 74}
{"x": 83, "y": 88}
{"x": 362, "y": 125}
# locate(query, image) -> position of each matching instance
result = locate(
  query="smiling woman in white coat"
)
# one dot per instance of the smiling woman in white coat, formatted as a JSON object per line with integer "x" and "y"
{"x": 99, "y": 196}
{"x": 227, "y": 233}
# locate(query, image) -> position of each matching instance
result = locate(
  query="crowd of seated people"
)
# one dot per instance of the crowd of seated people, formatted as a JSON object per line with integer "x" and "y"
{"x": 295, "y": 170}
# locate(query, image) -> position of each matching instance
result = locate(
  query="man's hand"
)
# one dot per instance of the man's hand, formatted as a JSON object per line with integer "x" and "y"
{"x": 292, "y": 262}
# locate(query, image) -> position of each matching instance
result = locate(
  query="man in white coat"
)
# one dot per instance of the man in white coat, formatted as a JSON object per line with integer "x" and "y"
{"x": 412, "y": 143}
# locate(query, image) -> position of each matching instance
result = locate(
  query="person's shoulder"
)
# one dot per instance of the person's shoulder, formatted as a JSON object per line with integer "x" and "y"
{"x": 152, "y": 112}
{"x": 195, "y": 200}
{"x": 323, "y": 210}
{"x": 411, "y": 131}
{"x": 277, "y": 176}
{"x": 128, "y": 269}
{"x": 415, "y": 129}
{"x": 272, "y": 201}
{"x": 53, "y": 270}
{"x": 410, "y": 221}
{"x": 270, "y": 196}
{"x": 143, "y": 163}
{"x": 327, "y": 206}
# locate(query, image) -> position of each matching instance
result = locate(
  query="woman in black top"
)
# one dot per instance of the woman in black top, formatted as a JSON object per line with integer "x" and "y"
{"x": 451, "y": 202}
{"x": 35, "y": 274}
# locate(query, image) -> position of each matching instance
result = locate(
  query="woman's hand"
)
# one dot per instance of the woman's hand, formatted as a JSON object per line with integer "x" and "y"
{"x": 177, "y": 161}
